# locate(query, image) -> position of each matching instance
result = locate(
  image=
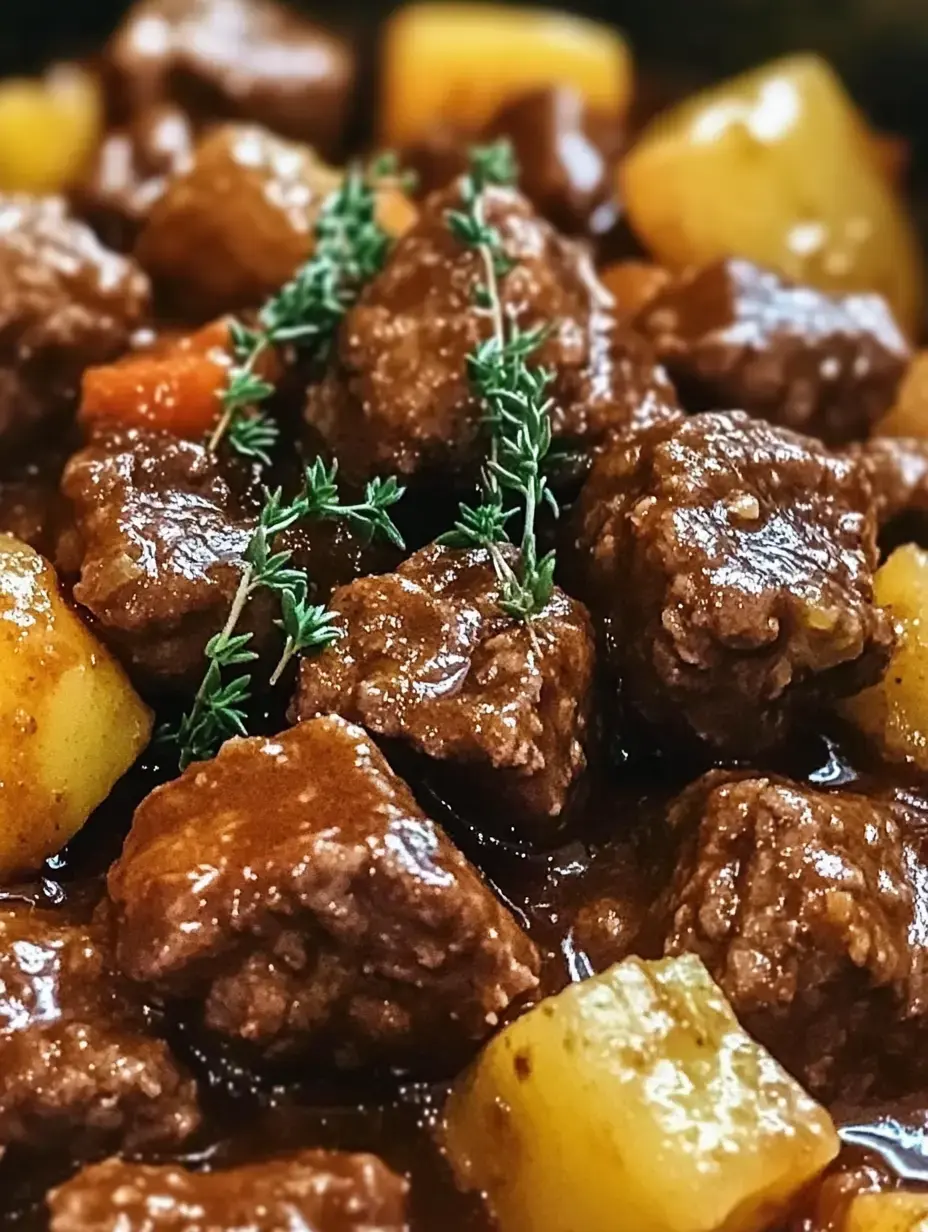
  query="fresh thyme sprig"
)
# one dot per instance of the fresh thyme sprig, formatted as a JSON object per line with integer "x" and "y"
{"x": 218, "y": 709}
{"x": 516, "y": 408}
{"x": 351, "y": 247}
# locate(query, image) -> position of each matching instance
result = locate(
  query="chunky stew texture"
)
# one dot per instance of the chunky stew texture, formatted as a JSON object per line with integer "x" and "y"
{"x": 463, "y": 637}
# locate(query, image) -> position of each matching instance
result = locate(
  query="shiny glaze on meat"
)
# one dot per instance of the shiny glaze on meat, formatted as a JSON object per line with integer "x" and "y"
{"x": 585, "y": 905}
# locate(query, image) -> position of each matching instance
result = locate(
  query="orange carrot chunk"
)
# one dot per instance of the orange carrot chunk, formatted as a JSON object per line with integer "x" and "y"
{"x": 177, "y": 390}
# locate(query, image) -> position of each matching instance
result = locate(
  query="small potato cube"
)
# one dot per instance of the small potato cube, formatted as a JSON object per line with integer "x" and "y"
{"x": 909, "y": 416}
{"x": 887, "y": 1212}
{"x": 70, "y": 722}
{"x": 894, "y": 713}
{"x": 634, "y": 1103}
{"x": 776, "y": 166}
{"x": 457, "y": 64}
{"x": 48, "y": 129}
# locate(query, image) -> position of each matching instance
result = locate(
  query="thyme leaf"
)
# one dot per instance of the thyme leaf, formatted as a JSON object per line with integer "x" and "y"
{"x": 517, "y": 410}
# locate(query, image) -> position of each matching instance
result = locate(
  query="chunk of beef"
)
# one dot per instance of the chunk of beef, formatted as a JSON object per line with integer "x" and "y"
{"x": 897, "y": 467}
{"x": 129, "y": 171}
{"x": 235, "y": 225}
{"x": 428, "y": 657}
{"x": 160, "y": 542}
{"x": 567, "y": 154}
{"x": 295, "y": 888}
{"x": 315, "y": 1191}
{"x": 801, "y": 905}
{"x": 77, "y": 1064}
{"x": 732, "y": 563}
{"x": 735, "y": 335}
{"x": 396, "y": 397}
{"x": 30, "y": 501}
{"x": 65, "y": 302}
{"x": 236, "y": 59}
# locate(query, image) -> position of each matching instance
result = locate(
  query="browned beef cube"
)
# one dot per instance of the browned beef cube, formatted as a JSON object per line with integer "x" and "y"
{"x": 731, "y": 562}
{"x": 77, "y": 1065}
{"x": 65, "y": 302}
{"x": 428, "y": 657}
{"x": 567, "y": 154}
{"x": 161, "y": 536}
{"x": 129, "y": 170}
{"x": 735, "y": 335}
{"x": 801, "y": 904}
{"x": 234, "y": 226}
{"x": 897, "y": 467}
{"x": 316, "y": 1191}
{"x": 396, "y": 398}
{"x": 237, "y": 59}
{"x": 295, "y": 888}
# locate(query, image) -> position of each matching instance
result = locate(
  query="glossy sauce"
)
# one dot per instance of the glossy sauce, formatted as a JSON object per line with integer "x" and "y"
{"x": 615, "y": 868}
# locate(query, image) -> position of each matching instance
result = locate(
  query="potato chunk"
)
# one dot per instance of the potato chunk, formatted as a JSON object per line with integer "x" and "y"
{"x": 894, "y": 713}
{"x": 775, "y": 166}
{"x": 70, "y": 722}
{"x": 457, "y": 63}
{"x": 48, "y": 129}
{"x": 909, "y": 415}
{"x": 635, "y": 1103}
{"x": 887, "y": 1212}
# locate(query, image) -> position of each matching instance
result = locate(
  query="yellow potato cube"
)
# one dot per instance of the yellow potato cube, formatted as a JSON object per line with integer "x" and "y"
{"x": 70, "y": 722}
{"x": 887, "y": 1212}
{"x": 48, "y": 129}
{"x": 776, "y": 166}
{"x": 894, "y": 713}
{"x": 456, "y": 64}
{"x": 634, "y": 1103}
{"x": 909, "y": 415}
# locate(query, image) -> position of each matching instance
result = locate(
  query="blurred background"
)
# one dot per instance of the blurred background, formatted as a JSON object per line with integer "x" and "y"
{"x": 880, "y": 46}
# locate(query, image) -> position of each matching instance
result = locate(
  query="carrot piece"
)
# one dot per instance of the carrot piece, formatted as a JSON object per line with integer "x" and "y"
{"x": 633, "y": 283}
{"x": 178, "y": 389}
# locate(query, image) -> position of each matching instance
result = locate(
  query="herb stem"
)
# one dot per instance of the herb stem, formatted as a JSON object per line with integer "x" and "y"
{"x": 232, "y": 408}
{"x": 515, "y": 408}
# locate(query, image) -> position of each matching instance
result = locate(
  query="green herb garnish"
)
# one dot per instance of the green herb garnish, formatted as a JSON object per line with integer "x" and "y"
{"x": 218, "y": 710}
{"x": 351, "y": 248}
{"x": 516, "y": 409}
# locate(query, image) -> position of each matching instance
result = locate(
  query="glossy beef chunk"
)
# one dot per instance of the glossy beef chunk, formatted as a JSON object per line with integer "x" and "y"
{"x": 314, "y": 1191}
{"x": 427, "y": 657}
{"x": 897, "y": 467}
{"x": 238, "y": 59}
{"x": 31, "y": 507}
{"x": 396, "y": 398}
{"x": 732, "y": 564}
{"x": 130, "y": 169}
{"x": 801, "y": 905}
{"x": 159, "y": 536}
{"x": 65, "y": 302}
{"x": 567, "y": 156}
{"x": 735, "y": 335}
{"x": 235, "y": 225}
{"x": 294, "y": 887}
{"x": 77, "y": 1065}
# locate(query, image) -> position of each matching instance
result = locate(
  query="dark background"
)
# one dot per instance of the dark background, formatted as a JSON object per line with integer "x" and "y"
{"x": 880, "y": 46}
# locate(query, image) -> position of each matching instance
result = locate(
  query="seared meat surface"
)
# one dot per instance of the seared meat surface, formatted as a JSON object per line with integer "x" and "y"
{"x": 803, "y": 907}
{"x": 396, "y": 398}
{"x": 65, "y": 302}
{"x": 327, "y": 1191}
{"x": 731, "y": 564}
{"x": 735, "y": 335}
{"x": 236, "y": 59}
{"x": 295, "y": 889}
{"x": 428, "y": 657}
{"x": 79, "y": 1066}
